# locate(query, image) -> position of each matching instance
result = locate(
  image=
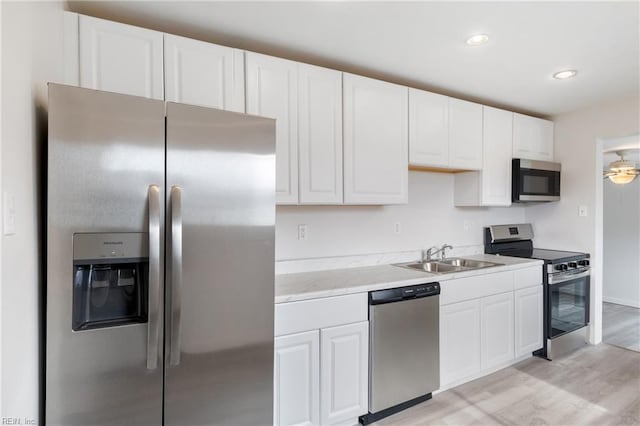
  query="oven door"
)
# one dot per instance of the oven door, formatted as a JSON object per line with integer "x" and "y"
{"x": 535, "y": 181}
{"x": 568, "y": 303}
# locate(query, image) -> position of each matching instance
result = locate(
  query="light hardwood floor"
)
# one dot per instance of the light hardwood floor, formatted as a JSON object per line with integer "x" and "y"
{"x": 597, "y": 385}
{"x": 621, "y": 326}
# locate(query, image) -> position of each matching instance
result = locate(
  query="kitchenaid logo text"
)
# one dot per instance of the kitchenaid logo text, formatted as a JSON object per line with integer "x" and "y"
{"x": 113, "y": 243}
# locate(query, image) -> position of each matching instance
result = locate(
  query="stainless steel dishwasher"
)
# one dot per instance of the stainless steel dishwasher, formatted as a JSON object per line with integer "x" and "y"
{"x": 404, "y": 348}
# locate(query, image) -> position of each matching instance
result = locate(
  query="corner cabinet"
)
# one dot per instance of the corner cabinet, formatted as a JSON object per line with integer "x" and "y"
{"x": 532, "y": 138}
{"x": 204, "y": 74}
{"x": 490, "y": 186}
{"x": 120, "y": 58}
{"x": 375, "y": 141}
{"x": 272, "y": 91}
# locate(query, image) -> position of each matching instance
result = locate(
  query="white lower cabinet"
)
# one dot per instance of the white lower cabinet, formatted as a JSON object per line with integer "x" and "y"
{"x": 496, "y": 330}
{"x": 459, "y": 340}
{"x": 528, "y": 320}
{"x": 343, "y": 373}
{"x": 321, "y": 376}
{"x": 296, "y": 383}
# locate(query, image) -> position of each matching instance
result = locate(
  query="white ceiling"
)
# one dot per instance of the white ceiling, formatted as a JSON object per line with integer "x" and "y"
{"x": 422, "y": 44}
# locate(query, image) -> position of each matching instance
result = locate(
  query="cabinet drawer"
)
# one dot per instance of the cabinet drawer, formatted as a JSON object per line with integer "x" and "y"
{"x": 527, "y": 277}
{"x": 454, "y": 291}
{"x": 295, "y": 317}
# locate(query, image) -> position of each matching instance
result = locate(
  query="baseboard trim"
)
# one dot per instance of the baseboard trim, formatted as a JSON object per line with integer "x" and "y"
{"x": 624, "y": 302}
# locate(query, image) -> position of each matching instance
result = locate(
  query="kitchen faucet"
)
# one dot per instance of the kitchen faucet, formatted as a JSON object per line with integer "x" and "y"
{"x": 428, "y": 254}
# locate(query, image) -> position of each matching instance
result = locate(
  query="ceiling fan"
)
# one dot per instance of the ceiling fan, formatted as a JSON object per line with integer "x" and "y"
{"x": 621, "y": 171}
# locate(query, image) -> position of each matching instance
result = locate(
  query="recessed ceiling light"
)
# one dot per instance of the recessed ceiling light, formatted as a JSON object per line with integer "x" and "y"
{"x": 563, "y": 75}
{"x": 477, "y": 39}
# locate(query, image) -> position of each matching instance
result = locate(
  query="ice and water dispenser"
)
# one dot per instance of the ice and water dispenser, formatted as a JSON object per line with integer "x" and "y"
{"x": 110, "y": 279}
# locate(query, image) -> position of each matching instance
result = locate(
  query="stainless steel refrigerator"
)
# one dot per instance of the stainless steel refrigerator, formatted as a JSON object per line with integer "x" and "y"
{"x": 160, "y": 262}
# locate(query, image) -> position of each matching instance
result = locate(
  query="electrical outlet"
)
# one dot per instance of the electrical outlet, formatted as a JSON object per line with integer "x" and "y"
{"x": 468, "y": 224}
{"x": 582, "y": 211}
{"x": 8, "y": 214}
{"x": 302, "y": 232}
{"x": 396, "y": 227}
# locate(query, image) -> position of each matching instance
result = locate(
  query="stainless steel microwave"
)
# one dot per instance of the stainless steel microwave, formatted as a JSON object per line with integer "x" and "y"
{"x": 534, "y": 181}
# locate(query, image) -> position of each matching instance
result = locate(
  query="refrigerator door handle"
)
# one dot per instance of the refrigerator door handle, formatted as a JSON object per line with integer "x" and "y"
{"x": 153, "y": 329}
{"x": 176, "y": 273}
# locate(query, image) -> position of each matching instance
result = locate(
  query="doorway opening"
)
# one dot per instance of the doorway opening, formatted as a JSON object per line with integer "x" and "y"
{"x": 620, "y": 227}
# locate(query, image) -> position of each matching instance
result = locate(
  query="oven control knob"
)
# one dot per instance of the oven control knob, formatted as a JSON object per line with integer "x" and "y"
{"x": 560, "y": 267}
{"x": 573, "y": 265}
{"x": 583, "y": 262}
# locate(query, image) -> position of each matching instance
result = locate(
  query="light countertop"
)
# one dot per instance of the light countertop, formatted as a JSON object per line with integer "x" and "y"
{"x": 337, "y": 282}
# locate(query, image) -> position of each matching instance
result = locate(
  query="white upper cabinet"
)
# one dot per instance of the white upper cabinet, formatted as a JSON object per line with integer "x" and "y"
{"x": 375, "y": 141}
{"x": 205, "y": 74}
{"x": 492, "y": 185}
{"x": 428, "y": 129}
{"x": 320, "y": 134}
{"x": 272, "y": 91}
{"x": 532, "y": 138}
{"x": 120, "y": 58}
{"x": 465, "y": 135}
{"x": 496, "y": 157}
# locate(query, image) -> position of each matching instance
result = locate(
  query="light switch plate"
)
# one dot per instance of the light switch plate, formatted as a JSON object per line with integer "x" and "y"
{"x": 582, "y": 211}
{"x": 8, "y": 213}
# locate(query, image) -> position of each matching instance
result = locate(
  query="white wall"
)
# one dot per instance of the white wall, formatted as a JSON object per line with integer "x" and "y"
{"x": 31, "y": 56}
{"x": 429, "y": 219}
{"x": 621, "y": 254}
{"x": 578, "y": 146}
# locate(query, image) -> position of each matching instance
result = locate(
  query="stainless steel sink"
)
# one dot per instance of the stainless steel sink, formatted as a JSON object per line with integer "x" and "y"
{"x": 433, "y": 267}
{"x": 448, "y": 265}
{"x": 469, "y": 263}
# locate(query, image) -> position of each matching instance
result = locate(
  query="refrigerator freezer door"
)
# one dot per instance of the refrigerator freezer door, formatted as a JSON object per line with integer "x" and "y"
{"x": 105, "y": 152}
{"x": 224, "y": 166}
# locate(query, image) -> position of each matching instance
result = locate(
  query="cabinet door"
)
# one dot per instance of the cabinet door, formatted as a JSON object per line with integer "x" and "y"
{"x": 272, "y": 91}
{"x": 344, "y": 373}
{"x": 375, "y": 141}
{"x": 496, "y": 330}
{"x": 532, "y": 138}
{"x": 205, "y": 74}
{"x": 459, "y": 340}
{"x": 529, "y": 322}
{"x": 496, "y": 158}
{"x": 296, "y": 381}
{"x": 465, "y": 135}
{"x": 428, "y": 129}
{"x": 320, "y": 134}
{"x": 120, "y": 58}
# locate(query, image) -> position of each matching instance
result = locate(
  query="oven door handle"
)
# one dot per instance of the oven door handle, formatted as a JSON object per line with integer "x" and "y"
{"x": 561, "y": 278}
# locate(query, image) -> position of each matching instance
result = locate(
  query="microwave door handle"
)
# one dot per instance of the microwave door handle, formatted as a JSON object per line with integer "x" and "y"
{"x": 176, "y": 273}
{"x": 153, "y": 329}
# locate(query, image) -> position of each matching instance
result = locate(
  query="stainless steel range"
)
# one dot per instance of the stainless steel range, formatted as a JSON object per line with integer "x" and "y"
{"x": 566, "y": 278}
